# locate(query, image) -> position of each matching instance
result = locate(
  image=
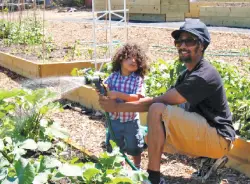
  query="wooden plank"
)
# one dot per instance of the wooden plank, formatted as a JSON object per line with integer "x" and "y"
{"x": 177, "y": 8}
{"x": 140, "y": 9}
{"x": 237, "y": 22}
{"x": 195, "y": 8}
{"x": 147, "y": 17}
{"x": 100, "y": 3}
{"x": 140, "y": 2}
{"x": 215, "y": 11}
{"x": 85, "y": 95}
{"x": 174, "y": 2}
{"x": 193, "y": 14}
{"x": 188, "y": 15}
{"x": 19, "y": 65}
{"x": 174, "y": 14}
{"x": 227, "y": 1}
{"x": 212, "y": 21}
{"x": 227, "y": 21}
{"x": 129, "y": 2}
{"x": 5, "y": 60}
{"x": 239, "y": 157}
{"x": 25, "y": 67}
{"x": 175, "y": 18}
{"x": 240, "y": 12}
{"x": 135, "y": 6}
{"x": 61, "y": 69}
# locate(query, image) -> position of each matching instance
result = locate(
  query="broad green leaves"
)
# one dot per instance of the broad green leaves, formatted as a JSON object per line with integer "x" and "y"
{"x": 25, "y": 171}
{"x": 70, "y": 170}
{"x": 44, "y": 146}
{"x": 27, "y": 131}
{"x": 29, "y": 144}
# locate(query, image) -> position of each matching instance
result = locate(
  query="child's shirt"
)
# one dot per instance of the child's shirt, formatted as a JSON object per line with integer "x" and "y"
{"x": 132, "y": 84}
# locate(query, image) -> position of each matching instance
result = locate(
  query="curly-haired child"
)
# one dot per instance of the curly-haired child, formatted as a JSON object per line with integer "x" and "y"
{"x": 125, "y": 84}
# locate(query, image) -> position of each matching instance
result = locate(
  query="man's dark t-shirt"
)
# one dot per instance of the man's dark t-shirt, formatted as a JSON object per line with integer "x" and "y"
{"x": 203, "y": 89}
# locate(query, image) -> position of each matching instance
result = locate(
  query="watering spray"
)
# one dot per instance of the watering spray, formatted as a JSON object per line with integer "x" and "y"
{"x": 97, "y": 81}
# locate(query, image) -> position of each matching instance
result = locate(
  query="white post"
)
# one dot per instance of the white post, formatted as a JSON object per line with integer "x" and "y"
{"x": 94, "y": 34}
{"x": 110, "y": 31}
{"x": 107, "y": 13}
{"x": 125, "y": 19}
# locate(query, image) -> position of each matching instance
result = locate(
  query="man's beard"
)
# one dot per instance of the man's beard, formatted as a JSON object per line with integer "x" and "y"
{"x": 185, "y": 59}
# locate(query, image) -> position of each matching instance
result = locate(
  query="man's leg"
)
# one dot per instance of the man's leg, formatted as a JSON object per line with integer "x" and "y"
{"x": 156, "y": 139}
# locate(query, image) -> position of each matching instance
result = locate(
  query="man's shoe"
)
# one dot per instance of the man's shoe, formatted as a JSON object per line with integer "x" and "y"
{"x": 146, "y": 182}
{"x": 208, "y": 166}
{"x": 162, "y": 181}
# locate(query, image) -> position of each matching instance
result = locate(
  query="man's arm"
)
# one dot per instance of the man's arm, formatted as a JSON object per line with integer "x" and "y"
{"x": 124, "y": 96}
{"x": 171, "y": 97}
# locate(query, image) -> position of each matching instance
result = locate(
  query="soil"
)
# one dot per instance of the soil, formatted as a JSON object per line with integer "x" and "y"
{"x": 88, "y": 131}
{"x": 72, "y": 37}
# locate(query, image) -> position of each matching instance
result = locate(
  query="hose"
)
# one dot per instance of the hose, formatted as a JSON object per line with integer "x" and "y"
{"x": 99, "y": 85}
{"x": 111, "y": 131}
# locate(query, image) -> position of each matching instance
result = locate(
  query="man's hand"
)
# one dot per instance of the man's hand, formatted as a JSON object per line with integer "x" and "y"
{"x": 109, "y": 105}
{"x": 113, "y": 95}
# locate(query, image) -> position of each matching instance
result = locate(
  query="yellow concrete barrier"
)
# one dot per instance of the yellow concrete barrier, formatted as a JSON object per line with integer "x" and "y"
{"x": 33, "y": 70}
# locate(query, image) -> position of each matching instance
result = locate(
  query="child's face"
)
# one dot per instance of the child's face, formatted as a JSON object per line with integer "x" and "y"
{"x": 130, "y": 64}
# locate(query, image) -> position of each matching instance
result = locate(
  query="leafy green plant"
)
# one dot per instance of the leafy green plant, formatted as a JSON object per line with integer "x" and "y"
{"x": 237, "y": 88}
{"x": 26, "y": 110}
{"x": 5, "y": 29}
{"x": 245, "y": 51}
{"x": 27, "y": 32}
{"x": 31, "y": 146}
{"x": 162, "y": 76}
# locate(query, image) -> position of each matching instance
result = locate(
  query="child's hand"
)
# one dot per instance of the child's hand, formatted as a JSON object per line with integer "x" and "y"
{"x": 113, "y": 94}
{"x": 106, "y": 88}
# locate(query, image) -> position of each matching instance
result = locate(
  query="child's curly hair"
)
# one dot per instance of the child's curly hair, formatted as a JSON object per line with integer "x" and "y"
{"x": 131, "y": 50}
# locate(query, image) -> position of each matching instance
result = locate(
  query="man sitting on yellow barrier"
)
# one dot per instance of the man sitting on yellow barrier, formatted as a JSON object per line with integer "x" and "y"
{"x": 203, "y": 128}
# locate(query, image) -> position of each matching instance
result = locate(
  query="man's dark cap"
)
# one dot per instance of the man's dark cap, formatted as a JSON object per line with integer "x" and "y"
{"x": 195, "y": 27}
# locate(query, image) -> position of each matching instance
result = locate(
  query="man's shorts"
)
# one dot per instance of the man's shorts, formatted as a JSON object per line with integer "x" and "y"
{"x": 128, "y": 135}
{"x": 189, "y": 133}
